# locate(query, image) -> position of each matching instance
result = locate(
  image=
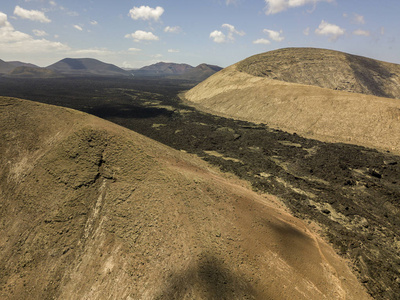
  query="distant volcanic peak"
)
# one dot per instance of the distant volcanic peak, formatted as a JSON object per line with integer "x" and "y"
{"x": 328, "y": 69}
{"x": 68, "y": 64}
{"x": 7, "y": 67}
{"x": 75, "y": 64}
{"x": 86, "y": 66}
{"x": 207, "y": 67}
{"x": 174, "y": 68}
{"x": 22, "y": 64}
{"x": 177, "y": 71}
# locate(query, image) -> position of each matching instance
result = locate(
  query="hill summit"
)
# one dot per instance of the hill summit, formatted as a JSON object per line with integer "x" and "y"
{"x": 328, "y": 69}
{"x": 178, "y": 71}
{"x": 320, "y": 94}
{"x": 86, "y": 66}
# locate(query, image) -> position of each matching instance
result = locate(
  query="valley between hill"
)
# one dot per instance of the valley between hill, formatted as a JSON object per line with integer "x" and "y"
{"x": 91, "y": 210}
{"x": 349, "y": 192}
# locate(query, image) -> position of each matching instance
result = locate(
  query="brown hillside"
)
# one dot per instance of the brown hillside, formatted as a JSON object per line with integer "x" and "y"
{"x": 313, "y": 112}
{"x": 90, "y": 210}
{"x": 328, "y": 69}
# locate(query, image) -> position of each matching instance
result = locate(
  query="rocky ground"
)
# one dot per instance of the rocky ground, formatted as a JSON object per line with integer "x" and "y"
{"x": 350, "y": 193}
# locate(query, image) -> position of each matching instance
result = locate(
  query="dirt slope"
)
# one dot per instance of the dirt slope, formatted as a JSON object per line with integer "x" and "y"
{"x": 313, "y": 112}
{"x": 90, "y": 210}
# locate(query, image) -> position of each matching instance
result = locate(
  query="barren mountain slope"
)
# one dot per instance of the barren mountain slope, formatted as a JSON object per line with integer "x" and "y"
{"x": 86, "y": 66}
{"x": 5, "y": 67}
{"x": 328, "y": 69}
{"x": 90, "y": 210}
{"x": 310, "y": 111}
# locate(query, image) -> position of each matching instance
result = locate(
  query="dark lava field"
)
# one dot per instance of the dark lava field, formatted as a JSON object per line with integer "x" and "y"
{"x": 352, "y": 193}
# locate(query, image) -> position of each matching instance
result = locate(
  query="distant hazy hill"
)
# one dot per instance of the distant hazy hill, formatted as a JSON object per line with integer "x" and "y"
{"x": 7, "y": 67}
{"x": 36, "y": 72}
{"x": 86, "y": 66}
{"x": 17, "y": 64}
{"x": 199, "y": 73}
{"x": 178, "y": 71}
{"x": 163, "y": 69}
{"x": 283, "y": 89}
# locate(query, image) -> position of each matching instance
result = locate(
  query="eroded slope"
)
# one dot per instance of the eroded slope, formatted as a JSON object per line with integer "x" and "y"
{"x": 90, "y": 210}
{"x": 328, "y": 69}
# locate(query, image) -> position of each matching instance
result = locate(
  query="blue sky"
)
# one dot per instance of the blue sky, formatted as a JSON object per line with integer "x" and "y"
{"x": 132, "y": 33}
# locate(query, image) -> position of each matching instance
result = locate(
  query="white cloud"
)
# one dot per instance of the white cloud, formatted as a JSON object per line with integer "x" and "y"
{"x": 361, "y": 32}
{"x": 30, "y": 46}
{"x": 228, "y": 2}
{"x": 276, "y": 6}
{"x": 33, "y": 15}
{"x": 175, "y": 29}
{"x": 16, "y": 42}
{"x": 382, "y": 30}
{"x": 262, "y": 41}
{"x": 274, "y": 35}
{"x": 135, "y": 49}
{"x": 93, "y": 51}
{"x": 306, "y": 31}
{"x": 72, "y": 13}
{"x": 173, "y": 51}
{"x": 3, "y": 20}
{"x": 140, "y": 35}
{"x": 94, "y": 23}
{"x": 39, "y": 32}
{"x": 358, "y": 19}
{"x": 127, "y": 65}
{"x": 220, "y": 37}
{"x": 77, "y": 27}
{"x": 232, "y": 31}
{"x": 52, "y": 3}
{"x": 146, "y": 13}
{"x": 7, "y": 32}
{"x": 331, "y": 30}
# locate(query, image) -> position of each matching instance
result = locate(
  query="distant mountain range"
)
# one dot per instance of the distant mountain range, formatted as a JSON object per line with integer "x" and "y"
{"x": 178, "y": 71}
{"x": 163, "y": 69}
{"x": 92, "y": 67}
{"x": 7, "y": 67}
{"x": 86, "y": 66}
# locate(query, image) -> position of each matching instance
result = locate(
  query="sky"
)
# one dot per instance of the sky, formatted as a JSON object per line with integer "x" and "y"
{"x": 133, "y": 33}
